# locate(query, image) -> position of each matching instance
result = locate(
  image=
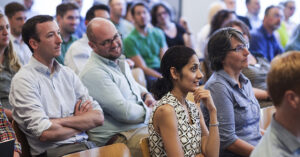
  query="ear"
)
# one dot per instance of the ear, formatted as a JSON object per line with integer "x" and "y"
{"x": 58, "y": 18}
{"x": 292, "y": 98}
{"x": 33, "y": 43}
{"x": 92, "y": 45}
{"x": 174, "y": 73}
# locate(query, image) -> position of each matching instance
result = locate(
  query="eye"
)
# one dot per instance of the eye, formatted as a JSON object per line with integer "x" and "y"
{"x": 194, "y": 68}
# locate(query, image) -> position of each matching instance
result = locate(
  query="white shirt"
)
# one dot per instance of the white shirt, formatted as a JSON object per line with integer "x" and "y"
{"x": 22, "y": 50}
{"x": 202, "y": 39}
{"x": 255, "y": 21}
{"x": 78, "y": 54}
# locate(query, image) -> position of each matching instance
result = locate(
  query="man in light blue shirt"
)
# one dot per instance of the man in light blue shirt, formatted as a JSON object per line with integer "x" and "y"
{"x": 282, "y": 138}
{"x": 50, "y": 104}
{"x": 109, "y": 80}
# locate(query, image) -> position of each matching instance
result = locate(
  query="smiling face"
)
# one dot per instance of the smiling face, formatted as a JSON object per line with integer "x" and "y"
{"x": 236, "y": 61}
{"x": 69, "y": 22}
{"x": 4, "y": 39}
{"x": 50, "y": 41}
{"x": 188, "y": 79}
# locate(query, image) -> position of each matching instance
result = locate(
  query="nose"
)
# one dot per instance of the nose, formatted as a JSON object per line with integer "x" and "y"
{"x": 199, "y": 74}
{"x": 5, "y": 31}
{"x": 58, "y": 39}
{"x": 246, "y": 52}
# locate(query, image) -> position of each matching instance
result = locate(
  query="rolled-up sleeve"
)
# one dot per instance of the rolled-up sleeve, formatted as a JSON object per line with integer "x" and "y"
{"x": 28, "y": 111}
{"x": 107, "y": 93}
{"x": 225, "y": 114}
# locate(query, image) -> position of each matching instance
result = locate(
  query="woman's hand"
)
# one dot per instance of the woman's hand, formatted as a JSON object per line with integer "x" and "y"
{"x": 204, "y": 95}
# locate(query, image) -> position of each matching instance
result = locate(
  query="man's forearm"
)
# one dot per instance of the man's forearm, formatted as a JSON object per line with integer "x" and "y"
{"x": 83, "y": 122}
{"x": 57, "y": 133}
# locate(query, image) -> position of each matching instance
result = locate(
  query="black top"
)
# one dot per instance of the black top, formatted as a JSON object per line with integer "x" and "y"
{"x": 178, "y": 39}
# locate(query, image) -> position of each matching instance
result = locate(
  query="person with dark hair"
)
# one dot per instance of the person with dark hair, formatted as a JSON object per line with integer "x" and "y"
{"x": 145, "y": 45}
{"x": 67, "y": 16}
{"x": 238, "y": 109}
{"x": 51, "y": 105}
{"x": 177, "y": 126}
{"x": 16, "y": 18}
{"x": 126, "y": 104}
{"x": 263, "y": 42}
{"x": 80, "y": 51}
{"x": 282, "y": 137}
{"x": 9, "y": 64}
{"x": 253, "y": 8}
{"x": 175, "y": 34}
{"x": 128, "y": 15}
{"x": 220, "y": 18}
{"x": 118, "y": 10}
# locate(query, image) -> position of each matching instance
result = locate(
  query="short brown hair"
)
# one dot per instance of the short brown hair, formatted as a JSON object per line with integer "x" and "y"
{"x": 12, "y": 8}
{"x": 284, "y": 75}
{"x": 62, "y": 9}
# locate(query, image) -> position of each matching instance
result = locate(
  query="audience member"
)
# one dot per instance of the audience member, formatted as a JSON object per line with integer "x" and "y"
{"x": 202, "y": 35}
{"x": 28, "y": 5}
{"x": 81, "y": 28}
{"x": 263, "y": 42}
{"x": 175, "y": 34}
{"x": 287, "y": 27}
{"x": 238, "y": 109}
{"x": 128, "y": 15}
{"x": 51, "y": 105}
{"x": 117, "y": 12}
{"x": 253, "y": 8}
{"x": 67, "y": 16}
{"x": 80, "y": 51}
{"x": 145, "y": 45}
{"x": 7, "y": 132}
{"x": 127, "y": 109}
{"x": 294, "y": 44}
{"x": 9, "y": 64}
{"x": 283, "y": 135}
{"x": 16, "y": 18}
{"x": 172, "y": 131}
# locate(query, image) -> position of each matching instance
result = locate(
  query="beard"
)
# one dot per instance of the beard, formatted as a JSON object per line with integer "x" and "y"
{"x": 142, "y": 26}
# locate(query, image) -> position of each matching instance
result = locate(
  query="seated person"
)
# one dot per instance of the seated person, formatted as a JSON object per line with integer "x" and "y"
{"x": 109, "y": 80}
{"x": 175, "y": 34}
{"x": 7, "y": 133}
{"x": 51, "y": 105}
{"x": 282, "y": 138}
{"x": 257, "y": 69}
{"x": 238, "y": 109}
{"x": 145, "y": 45}
{"x": 177, "y": 126}
{"x": 9, "y": 64}
{"x": 294, "y": 44}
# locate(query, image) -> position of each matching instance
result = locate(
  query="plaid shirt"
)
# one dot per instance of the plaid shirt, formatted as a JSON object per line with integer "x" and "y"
{"x": 6, "y": 131}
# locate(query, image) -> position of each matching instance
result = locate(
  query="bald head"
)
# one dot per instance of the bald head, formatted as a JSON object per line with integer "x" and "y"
{"x": 98, "y": 25}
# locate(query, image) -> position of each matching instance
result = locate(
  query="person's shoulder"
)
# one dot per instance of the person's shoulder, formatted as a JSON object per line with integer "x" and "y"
{"x": 265, "y": 146}
{"x": 165, "y": 110}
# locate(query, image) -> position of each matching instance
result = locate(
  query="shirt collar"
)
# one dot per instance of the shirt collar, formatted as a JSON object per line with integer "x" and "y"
{"x": 265, "y": 33}
{"x": 291, "y": 142}
{"x": 43, "y": 68}
{"x": 139, "y": 35}
{"x": 230, "y": 80}
{"x": 15, "y": 40}
{"x": 72, "y": 38}
{"x": 107, "y": 61}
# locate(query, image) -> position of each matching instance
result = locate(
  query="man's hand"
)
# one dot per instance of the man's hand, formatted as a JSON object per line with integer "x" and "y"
{"x": 82, "y": 107}
{"x": 149, "y": 101}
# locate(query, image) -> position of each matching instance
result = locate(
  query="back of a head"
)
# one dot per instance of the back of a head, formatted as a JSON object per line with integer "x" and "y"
{"x": 218, "y": 20}
{"x": 90, "y": 14}
{"x": 63, "y": 8}
{"x": 177, "y": 57}
{"x": 12, "y": 8}
{"x": 219, "y": 44}
{"x": 29, "y": 28}
{"x": 284, "y": 75}
{"x": 214, "y": 8}
{"x": 240, "y": 24}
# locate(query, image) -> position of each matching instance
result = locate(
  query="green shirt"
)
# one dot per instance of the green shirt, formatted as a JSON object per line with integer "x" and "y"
{"x": 64, "y": 47}
{"x": 147, "y": 46}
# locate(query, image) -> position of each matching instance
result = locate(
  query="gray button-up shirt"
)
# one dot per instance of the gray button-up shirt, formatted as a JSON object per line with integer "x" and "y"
{"x": 38, "y": 96}
{"x": 238, "y": 110}
{"x": 113, "y": 86}
{"x": 277, "y": 141}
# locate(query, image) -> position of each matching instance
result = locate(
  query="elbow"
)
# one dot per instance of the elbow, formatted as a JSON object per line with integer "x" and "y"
{"x": 44, "y": 137}
{"x": 100, "y": 120}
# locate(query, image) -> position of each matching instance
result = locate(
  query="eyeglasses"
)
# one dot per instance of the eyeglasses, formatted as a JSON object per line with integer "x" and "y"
{"x": 108, "y": 42}
{"x": 239, "y": 48}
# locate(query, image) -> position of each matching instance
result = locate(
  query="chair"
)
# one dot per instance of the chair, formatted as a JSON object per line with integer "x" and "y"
{"x": 144, "y": 143}
{"x": 113, "y": 150}
{"x": 22, "y": 140}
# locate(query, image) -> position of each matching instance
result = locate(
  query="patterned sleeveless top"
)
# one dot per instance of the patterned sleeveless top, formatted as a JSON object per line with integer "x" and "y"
{"x": 189, "y": 134}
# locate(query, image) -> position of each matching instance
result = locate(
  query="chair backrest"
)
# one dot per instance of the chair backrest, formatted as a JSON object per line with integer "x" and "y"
{"x": 144, "y": 143}
{"x": 113, "y": 150}
{"x": 22, "y": 140}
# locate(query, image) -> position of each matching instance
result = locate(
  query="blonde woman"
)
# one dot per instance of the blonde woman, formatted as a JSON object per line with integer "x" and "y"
{"x": 9, "y": 64}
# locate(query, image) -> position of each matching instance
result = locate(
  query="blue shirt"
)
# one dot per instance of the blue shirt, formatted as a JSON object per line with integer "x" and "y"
{"x": 264, "y": 44}
{"x": 113, "y": 86}
{"x": 277, "y": 141}
{"x": 237, "y": 108}
{"x": 39, "y": 96}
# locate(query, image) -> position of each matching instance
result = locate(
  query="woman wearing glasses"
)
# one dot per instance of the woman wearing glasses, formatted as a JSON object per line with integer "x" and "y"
{"x": 238, "y": 110}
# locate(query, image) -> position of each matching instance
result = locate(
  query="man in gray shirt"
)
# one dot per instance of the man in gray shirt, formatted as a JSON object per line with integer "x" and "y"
{"x": 50, "y": 104}
{"x": 109, "y": 80}
{"x": 282, "y": 138}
